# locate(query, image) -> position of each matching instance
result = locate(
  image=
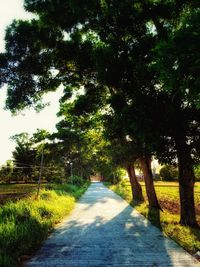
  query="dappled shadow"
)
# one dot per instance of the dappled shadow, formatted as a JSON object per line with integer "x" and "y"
{"x": 107, "y": 232}
{"x": 153, "y": 214}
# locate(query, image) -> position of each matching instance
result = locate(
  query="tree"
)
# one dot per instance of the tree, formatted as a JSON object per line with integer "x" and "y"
{"x": 106, "y": 42}
{"x": 176, "y": 58}
{"x": 6, "y": 172}
{"x": 123, "y": 154}
{"x": 109, "y": 45}
{"x": 169, "y": 173}
{"x": 79, "y": 139}
{"x": 27, "y": 157}
{"x": 24, "y": 155}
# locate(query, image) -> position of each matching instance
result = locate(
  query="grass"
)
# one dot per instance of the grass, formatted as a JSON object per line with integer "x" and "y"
{"x": 168, "y": 220}
{"x": 26, "y": 223}
{"x": 13, "y": 192}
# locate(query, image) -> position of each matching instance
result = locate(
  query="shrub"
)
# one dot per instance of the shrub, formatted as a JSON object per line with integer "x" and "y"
{"x": 76, "y": 180}
{"x": 156, "y": 177}
{"x": 168, "y": 173}
{"x": 118, "y": 175}
{"x": 197, "y": 172}
{"x": 6, "y": 173}
{"x": 115, "y": 176}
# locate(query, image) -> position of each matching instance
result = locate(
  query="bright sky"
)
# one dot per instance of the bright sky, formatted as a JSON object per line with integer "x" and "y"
{"x": 30, "y": 121}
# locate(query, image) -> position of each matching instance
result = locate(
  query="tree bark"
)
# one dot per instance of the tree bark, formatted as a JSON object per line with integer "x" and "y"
{"x": 186, "y": 182}
{"x": 135, "y": 186}
{"x": 149, "y": 184}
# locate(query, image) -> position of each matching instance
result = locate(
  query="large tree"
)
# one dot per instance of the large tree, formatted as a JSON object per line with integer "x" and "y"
{"x": 177, "y": 63}
{"x": 110, "y": 44}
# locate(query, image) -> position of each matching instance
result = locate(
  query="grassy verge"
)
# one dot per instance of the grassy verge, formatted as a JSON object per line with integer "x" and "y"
{"x": 26, "y": 223}
{"x": 168, "y": 220}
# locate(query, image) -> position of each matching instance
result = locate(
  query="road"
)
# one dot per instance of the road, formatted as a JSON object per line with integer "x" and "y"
{"x": 103, "y": 230}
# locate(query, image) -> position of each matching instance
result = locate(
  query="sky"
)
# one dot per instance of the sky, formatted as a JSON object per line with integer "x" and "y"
{"x": 29, "y": 120}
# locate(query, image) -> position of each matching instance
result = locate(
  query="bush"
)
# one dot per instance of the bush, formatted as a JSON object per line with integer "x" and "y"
{"x": 197, "y": 172}
{"x": 169, "y": 173}
{"x": 76, "y": 180}
{"x": 118, "y": 176}
{"x": 156, "y": 177}
{"x": 113, "y": 176}
{"x": 6, "y": 173}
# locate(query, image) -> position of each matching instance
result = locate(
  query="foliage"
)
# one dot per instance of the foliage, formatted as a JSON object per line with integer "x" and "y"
{"x": 130, "y": 60}
{"x": 174, "y": 51}
{"x": 113, "y": 175}
{"x": 197, "y": 172}
{"x": 6, "y": 172}
{"x": 76, "y": 180}
{"x": 39, "y": 136}
{"x": 27, "y": 158}
{"x": 24, "y": 155}
{"x": 26, "y": 223}
{"x": 169, "y": 173}
{"x": 82, "y": 142}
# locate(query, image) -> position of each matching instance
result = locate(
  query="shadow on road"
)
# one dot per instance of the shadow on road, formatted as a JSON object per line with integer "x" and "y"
{"x": 105, "y": 231}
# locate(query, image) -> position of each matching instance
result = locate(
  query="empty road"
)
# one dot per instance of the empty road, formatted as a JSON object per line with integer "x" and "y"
{"x": 103, "y": 230}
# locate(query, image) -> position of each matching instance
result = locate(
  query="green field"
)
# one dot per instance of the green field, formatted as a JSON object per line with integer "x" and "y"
{"x": 167, "y": 192}
{"x": 12, "y": 192}
{"x": 168, "y": 219}
{"x": 16, "y": 188}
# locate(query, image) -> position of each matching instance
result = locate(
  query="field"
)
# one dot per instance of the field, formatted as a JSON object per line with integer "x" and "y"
{"x": 168, "y": 194}
{"x": 15, "y": 191}
{"x": 168, "y": 219}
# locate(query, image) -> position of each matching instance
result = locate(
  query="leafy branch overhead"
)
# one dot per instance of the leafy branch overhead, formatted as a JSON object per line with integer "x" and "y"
{"x": 130, "y": 67}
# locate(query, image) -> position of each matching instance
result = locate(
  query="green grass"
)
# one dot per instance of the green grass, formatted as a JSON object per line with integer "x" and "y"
{"x": 26, "y": 223}
{"x": 14, "y": 192}
{"x": 171, "y": 189}
{"x": 168, "y": 220}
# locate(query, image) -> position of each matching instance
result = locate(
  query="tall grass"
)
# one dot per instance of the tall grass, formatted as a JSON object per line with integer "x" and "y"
{"x": 27, "y": 222}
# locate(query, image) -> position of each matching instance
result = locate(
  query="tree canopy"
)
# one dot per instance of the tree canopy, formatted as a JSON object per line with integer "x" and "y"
{"x": 137, "y": 63}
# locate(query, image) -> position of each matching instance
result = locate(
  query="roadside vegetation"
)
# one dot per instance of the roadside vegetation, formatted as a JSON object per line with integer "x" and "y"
{"x": 25, "y": 223}
{"x": 167, "y": 219}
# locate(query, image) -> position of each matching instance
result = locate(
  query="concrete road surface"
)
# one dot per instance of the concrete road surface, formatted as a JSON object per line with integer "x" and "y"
{"x": 103, "y": 230}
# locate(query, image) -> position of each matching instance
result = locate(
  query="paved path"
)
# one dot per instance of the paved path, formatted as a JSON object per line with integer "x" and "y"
{"x": 103, "y": 230}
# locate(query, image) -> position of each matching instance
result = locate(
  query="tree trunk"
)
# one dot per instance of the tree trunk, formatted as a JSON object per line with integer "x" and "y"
{"x": 149, "y": 185}
{"x": 186, "y": 182}
{"x": 135, "y": 186}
